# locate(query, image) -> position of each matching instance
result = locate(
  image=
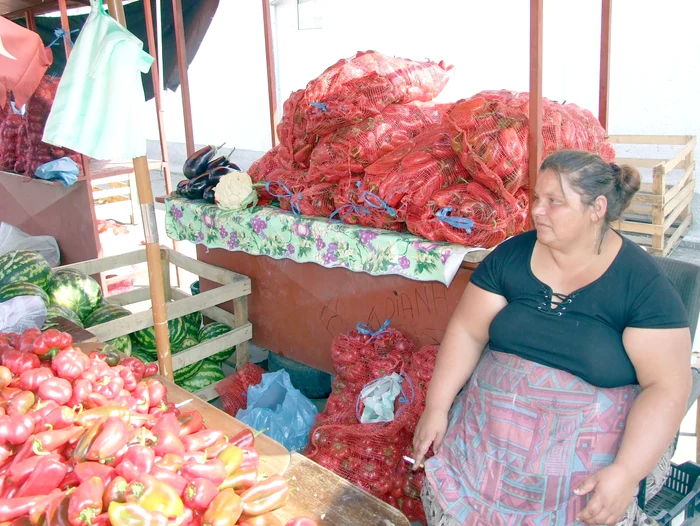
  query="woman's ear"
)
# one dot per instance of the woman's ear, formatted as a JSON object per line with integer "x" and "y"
{"x": 599, "y": 208}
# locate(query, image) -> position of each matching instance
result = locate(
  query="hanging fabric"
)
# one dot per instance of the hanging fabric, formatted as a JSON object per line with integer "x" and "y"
{"x": 99, "y": 107}
{"x": 23, "y": 62}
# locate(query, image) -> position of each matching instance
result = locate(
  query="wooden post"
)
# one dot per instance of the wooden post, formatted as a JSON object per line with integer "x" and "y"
{"x": 271, "y": 78}
{"x": 31, "y": 21}
{"x": 535, "y": 131}
{"x": 605, "y": 36}
{"x": 181, "y": 46}
{"x": 63, "y": 8}
{"x": 240, "y": 315}
{"x": 150, "y": 228}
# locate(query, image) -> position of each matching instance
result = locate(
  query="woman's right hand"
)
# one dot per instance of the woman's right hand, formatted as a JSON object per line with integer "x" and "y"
{"x": 431, "y": 429}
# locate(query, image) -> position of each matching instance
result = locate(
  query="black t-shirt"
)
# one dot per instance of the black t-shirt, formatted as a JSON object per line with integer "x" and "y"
{"x": 583, "y": 335}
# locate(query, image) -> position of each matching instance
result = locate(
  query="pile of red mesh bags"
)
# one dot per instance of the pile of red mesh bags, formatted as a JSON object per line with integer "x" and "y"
{"x": 233, "y": 389}
{"x": 36, "y": 151}
{"x": 12, "y": 127}
{"x": 371, "y": 455}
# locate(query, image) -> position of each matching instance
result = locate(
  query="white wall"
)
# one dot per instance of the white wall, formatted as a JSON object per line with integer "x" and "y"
{"x": 655, "y": 79}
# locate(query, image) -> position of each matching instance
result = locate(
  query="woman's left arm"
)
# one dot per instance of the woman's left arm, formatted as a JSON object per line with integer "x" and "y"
{"x": 661, "y": 358}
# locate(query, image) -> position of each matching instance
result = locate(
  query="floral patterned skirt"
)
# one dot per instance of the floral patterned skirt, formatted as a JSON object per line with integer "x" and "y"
{"x": 521, "y": 437}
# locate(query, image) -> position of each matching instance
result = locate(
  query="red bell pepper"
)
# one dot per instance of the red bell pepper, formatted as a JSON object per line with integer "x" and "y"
{"x": 52, "y": 341}
{"x": 111, "y": 437}
{"x": 201, "y": 440}
{"x": 57, "y": 511}
{"x": 39, "y": 513}
{"x": 16, "y": 429}
{"x": 261, "y": 520}
{"x": 21, "y": 403}
{"x": 87, "y": 438}
{"x": 40, "y": 411}
{"x": 198, "y": 456}
{"x": 138, "y": 460}
{"x": 9, "y": 393}
{"x": 156, "y": 391}
{"x": 171, "y": 462}
{"x": 26, "y": 341}
{"x": 88, "y": 418}
{"x": 241, "y": 480}
{"x": 45, "y": 478}
{"x": 60, "y": 417}
{"x": 301, "y": 521}
{"x": 151, "y": 369}
{"x": 266, "y": 496}
{"x": 12, "y": 508}
{"x": 154, "y": 495}
{"x": 81, "y": 389}
{"x": 165, "y": 408}
{"x": 245, "y": 438}
{"x": 87, "y": 470}
{"x": 115, "y": 491}
{"x": 142, "y": 396}
{"x": 199, "y": 493}
{"x": 213, "y": 470}
{"x": 232, "y": 457}
{"x": 224, "y": 510}
{"x": 190, "y": 422}
{"x": 57, "y": 389}
{"x": 47, "y": 441}
{"x": 109, "y": 386}
{"x": 166, "y": 422}
{"x": 19, "y": 362}
{"x": 168, "y": 442}
{"x": 101, "y": 520}
{"x": 70, "y": 481}
{"x": 218, "y": 447}
{"x": 31, "y": 380}
{"x": 86, "y": 502}
{"x": 251, "y": 458}
{"x": 19, "y": 472}
{"x": 177, "y": 482}
{"x": 5, "y": 377}
{"x": 70, "y": 364}
{"x": 137, "y": 367}
{"x": 130, "y": 381}
{"x": 130, "y": 514}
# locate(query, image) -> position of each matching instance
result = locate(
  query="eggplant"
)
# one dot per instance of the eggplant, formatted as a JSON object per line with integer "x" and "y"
{"x": 209, "y": 193}
{"x": 196, "y": 186}
{"x": 217, "y": 173}
{"x": 182, "y": 187}
{"x": 196, "y": 164}
{"x": 234, "y": 166}
{"x": 222, "y": 160}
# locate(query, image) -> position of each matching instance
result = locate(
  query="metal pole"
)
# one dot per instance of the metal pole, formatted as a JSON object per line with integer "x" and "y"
{"x": 150, "y": 228}
{"x": 181, "y": 46}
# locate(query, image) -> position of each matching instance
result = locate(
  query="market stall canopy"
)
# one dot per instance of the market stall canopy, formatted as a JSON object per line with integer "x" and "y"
{"x": 197, "y": 15}
{"x": 23, "y": 61}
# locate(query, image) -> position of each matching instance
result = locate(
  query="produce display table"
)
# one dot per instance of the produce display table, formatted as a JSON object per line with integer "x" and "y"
{"x": 313, "y": 279}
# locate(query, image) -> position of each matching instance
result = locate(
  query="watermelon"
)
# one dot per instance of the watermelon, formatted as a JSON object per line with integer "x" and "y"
{"x": 76, "y": 291}
{"x": 108, "y": 312}
{"x": 26, "y": 266}
{"x": 209, "y": 373}
{"x": 187, "y": 343}
{"x": 144, "y": 356}
{"x": 22, "y": 288}
{"x": 193, "y": 322}
{"x": 53, "y": 311}
{"x": 146, "y": 338}
{"x": 187, "y": 372}
{"x": 211, "y": 331}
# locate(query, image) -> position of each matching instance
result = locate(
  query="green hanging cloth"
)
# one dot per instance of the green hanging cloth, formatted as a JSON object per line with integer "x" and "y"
{"x": 99, "y": 106}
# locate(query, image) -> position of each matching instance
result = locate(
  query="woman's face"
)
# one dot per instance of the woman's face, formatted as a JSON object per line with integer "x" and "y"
{"x": 559, "y": 215}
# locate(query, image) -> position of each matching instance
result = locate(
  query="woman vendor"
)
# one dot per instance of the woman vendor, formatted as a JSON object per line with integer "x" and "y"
{"x": 577, "y": 352}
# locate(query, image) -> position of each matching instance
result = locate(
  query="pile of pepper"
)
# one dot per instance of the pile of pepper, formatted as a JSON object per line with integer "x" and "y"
{"x": 87, "y": 440}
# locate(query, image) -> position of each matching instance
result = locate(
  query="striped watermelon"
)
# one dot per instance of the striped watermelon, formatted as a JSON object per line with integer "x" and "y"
{"x": 146, "y": 338}
{"x": 187, "y": 372}
{"x": 21, "y": 288}
{"x": 108, "y": 312}
{"x": 53, "y": 311}
{"x": 25, "y": 266}
{"x": 187, "y": 343}
{"x": 76, "y": 291}
{"x": 210, "y": 373}
{"x": 144, "y": 356}
{"x": 193, "y": 322}
{"x": 211, "y": 331}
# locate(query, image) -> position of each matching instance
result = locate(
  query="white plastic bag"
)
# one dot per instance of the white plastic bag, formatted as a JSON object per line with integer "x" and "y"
{"x": 12, "y": 238}
{"x": 22, "y": 313}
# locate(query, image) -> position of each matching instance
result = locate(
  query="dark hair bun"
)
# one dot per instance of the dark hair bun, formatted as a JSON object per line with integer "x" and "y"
{"x": 628, "y": 181}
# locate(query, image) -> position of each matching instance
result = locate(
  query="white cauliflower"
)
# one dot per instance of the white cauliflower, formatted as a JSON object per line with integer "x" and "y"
{"x": 235, "y": 191}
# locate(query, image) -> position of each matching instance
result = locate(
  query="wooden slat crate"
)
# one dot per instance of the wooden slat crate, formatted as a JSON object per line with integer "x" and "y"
{"x": 660, "y": 213}
{"x": 234, "y": 287}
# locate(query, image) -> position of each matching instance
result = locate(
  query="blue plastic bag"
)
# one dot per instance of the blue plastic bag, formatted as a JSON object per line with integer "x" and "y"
{"x": 277, "y": 405}
{"x": 64, "y": 170}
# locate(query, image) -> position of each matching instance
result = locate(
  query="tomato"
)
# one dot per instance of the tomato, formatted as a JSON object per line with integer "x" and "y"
{"x": 367, "y": 447}
{"x": 340, "y": 450}
{"x": 391, "y": 455}
{"x": 381, "y": 486}
{"x": 328, "y": 461}
{"x": 351, "y": 465}
{"x": 372, "y": 471}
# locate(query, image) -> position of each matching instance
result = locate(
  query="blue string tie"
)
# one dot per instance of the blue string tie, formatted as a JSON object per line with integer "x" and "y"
{"x": 463, "y": 223}
{"x": 363, "y": 328}
{"x": 380, "y": 204}
{"x": 346, "y": 211}
{"x": 61, "y": 33}
{"x": 320, "y": 105}
{"x": 293, "y": 198}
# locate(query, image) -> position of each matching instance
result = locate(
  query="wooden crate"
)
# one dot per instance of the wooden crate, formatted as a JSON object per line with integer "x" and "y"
{"x": 660, "y": 213}
{"x": 234, "y": 287}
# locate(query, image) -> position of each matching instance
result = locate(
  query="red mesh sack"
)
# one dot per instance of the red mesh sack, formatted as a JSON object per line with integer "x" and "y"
{"x": 349, "y": 150}
{"x": 353, "y": 89}
{"x": 233, "y": 389}
{"x": 469, "y": 214}
{"x": 9, "y": 136}
{"x": 291, "y": 130}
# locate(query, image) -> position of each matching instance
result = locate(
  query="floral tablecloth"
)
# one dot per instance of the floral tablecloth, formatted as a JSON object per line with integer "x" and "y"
{"x": 269, "y": 231}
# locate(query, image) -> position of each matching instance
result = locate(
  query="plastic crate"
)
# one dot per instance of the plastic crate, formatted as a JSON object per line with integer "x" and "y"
{"x": 681, "y": 492}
